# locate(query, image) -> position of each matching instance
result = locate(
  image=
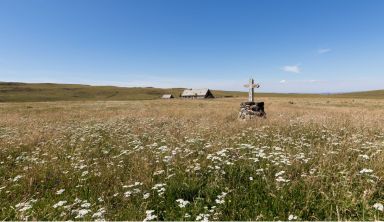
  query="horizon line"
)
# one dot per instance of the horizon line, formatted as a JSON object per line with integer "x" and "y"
{"x": 121, "y": 86}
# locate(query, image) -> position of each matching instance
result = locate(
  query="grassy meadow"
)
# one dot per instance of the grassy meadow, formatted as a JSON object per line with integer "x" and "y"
{"x": 43, "y": 92}
{"x": 312, "y": 158}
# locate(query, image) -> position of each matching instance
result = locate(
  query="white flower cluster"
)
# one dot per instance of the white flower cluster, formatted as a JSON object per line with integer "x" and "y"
{"x": 220, "y": 198}
{"x": 182, "y": 203}
{"x": 149, "y": 215}
{"x": 160, "y": 188}
{"x": 24, "y": 206}
{"x": 59, "y": 204}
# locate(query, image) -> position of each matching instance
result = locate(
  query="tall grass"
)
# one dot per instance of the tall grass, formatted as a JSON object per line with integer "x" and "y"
{"x": 316, "y": 159}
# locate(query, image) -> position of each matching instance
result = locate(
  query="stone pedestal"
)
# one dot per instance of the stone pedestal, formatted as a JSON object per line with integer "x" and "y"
{"x": 250, "y": 110}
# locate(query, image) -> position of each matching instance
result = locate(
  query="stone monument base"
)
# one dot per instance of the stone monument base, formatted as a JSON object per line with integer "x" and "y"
{"x": 250, "y": 110}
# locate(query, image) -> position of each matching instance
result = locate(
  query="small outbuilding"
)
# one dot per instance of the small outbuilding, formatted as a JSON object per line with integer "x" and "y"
{"x": 167, "y": 96}
{"x": 197, "y": 94}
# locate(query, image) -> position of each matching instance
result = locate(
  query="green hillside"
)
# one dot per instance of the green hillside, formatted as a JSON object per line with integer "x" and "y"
{"x": 39, "y": 92}
{"x": 374, "y": 94}
{"x": 34, "y": 92}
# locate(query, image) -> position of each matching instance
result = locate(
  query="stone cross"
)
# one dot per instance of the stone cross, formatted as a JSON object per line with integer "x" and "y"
{"x": 251, "y": 86}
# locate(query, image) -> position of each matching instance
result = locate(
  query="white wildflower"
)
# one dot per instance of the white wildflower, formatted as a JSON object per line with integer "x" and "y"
{"x": 220, "y": 198}
{"x": 146, "y": 196}
{"x": 202, "y": 217}
{"x": 292, "y": 217}
{"x": 281, "y": 179}
{"x": 182, "y": 203}
{"x": 85, "y": 205}
{"x": 127, "y": 194}
{"x": 366, "y": 171}
{"x": 81, "y": 213}
{"x": 84, "y": 173}
{"x": 60, "y": 191}
{"x": 99, "y": 214}
{"x": 160, "y": 188}
{"x": 149, "y": 215}
{"x": 159, "y": 172}
{"x": 136, "y": 190}
{"x": 312, "y": 171}
{"x": 24, "y": 206}
{"x": 17, "y": 178}
{"x": 59, "y": 204}
{"x": 364, "y": 156}
{"x": 279, "y": 173}
{"x": 379, "y": 207}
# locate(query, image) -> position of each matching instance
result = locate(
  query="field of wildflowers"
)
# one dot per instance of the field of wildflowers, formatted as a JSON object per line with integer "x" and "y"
{"x": 311, "y": 159}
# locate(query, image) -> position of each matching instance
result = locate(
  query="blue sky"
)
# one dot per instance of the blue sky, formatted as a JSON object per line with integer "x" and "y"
{"x": 286, "y": 45}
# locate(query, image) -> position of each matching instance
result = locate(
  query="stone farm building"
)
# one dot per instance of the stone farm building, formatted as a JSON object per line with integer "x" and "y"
{"x": 167, "y": 96}
{"x": 197, "y": 94}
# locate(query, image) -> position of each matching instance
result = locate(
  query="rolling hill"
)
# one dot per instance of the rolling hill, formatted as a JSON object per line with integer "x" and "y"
{"x": 37, "y": 92}
{"x": 374, "y": 94}
{"x": 40, "y": 92}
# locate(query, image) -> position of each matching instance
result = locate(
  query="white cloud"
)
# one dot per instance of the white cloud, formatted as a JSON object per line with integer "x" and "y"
{"x": 293, "y": 69}
{"x": 323, "y": 50}
{"x": 283, "y": 81}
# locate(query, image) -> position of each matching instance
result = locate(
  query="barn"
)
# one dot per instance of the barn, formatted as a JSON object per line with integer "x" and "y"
{"x": 167, "y": 96}
{"x": 197, "y": 94}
